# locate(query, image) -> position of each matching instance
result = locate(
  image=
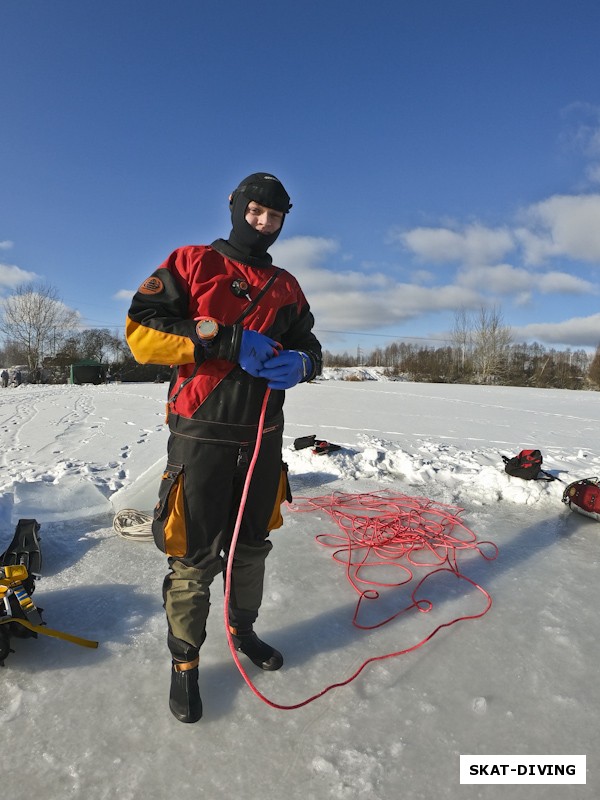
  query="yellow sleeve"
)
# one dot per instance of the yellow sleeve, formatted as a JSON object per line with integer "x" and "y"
{"x": 157, "y": 329}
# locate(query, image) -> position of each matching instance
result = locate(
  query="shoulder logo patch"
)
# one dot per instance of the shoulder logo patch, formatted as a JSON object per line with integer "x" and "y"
{"x": 151, "y": 286}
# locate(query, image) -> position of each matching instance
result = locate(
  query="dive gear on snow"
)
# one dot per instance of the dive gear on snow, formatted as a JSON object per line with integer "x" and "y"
{"x": 25, "y": 549}
{"x": 12, "y": 581}
{"x": 584, "y": 496}
{"x": 20, "y": 565}
{"x": 18, "y": 613}
{"x": 527, "y": 465}
{"x": 322, "y": 447}
{"x": 304, "y": 441}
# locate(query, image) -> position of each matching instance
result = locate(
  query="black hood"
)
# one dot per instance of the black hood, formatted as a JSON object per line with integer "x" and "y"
{"x": 245, "y": 243}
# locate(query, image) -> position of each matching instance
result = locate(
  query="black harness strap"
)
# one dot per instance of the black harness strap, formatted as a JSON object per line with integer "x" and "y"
{"x": 261, "y": 294}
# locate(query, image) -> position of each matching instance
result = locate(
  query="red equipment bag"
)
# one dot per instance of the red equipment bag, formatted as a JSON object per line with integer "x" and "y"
{"x": 584, "y": 496}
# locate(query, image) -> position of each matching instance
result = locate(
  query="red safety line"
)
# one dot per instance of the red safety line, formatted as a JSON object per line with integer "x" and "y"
{"x": 417, "y": 530}
{"x": 420, "y": 531}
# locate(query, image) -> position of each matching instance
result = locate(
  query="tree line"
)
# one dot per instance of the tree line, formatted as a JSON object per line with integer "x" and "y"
{"x": 41, "y": 333}
{"x": 481, "y": 350}
{"x": 45, "y": 336}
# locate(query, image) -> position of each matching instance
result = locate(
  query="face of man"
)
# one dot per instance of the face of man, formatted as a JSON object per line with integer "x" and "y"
{"x": 262, "y": 219}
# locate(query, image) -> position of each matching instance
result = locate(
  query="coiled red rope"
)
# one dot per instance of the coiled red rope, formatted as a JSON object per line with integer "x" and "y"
{"x": 408, "y": 534}
{"x": 377, "y": 529}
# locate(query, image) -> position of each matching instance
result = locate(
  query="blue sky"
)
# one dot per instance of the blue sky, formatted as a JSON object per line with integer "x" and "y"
{"x": 439, "y": 153}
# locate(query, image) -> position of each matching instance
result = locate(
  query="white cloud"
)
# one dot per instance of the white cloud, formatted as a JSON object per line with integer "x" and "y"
{"x": 504, "y": 279}
{"x": 563, "y": 283}
{"x": 423, "y": 276}
{"x": 574, "y": 332}
{"x": 11, "y": 276}
{"x": 6, "y": 244}
{"x": 301, "y": 255}
{"x": 364, "y": 308}
{"x": 475, "y": 244}
{"x": 351, "y": 300}
{"x": 592, "y": 172}
{"x": 583, "y": 132}
{"x": 501, "y": 279}
{"x": 124, "y": 294}
{"x": 523, "y": 299}
{"x": 562, "y": 225}
{"x": 298, "y": 252}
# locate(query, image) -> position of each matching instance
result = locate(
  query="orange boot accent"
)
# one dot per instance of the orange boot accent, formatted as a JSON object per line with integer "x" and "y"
{"x": 184, "y": 666}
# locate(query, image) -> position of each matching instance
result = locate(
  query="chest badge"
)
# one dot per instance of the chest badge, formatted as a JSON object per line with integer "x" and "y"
{"x": 241, "y": 288}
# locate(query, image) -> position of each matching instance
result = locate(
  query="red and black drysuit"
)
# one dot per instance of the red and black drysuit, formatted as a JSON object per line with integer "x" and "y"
{"x": 213, "y": 412}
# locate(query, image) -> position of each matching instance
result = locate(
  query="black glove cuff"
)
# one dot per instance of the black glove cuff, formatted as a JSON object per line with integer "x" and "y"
{"x": 316, "y": 365}
{"x": 226, "y": 345}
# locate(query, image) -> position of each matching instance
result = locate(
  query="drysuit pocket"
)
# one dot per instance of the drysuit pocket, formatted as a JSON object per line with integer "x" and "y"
{"x": 169, "y": 525}
{"x": 283, "y": 493}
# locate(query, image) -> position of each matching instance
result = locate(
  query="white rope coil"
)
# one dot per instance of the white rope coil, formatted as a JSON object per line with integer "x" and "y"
{"x": 132, "y": 524}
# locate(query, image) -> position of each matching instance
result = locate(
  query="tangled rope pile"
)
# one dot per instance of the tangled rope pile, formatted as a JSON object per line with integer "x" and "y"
{"x": 381, "y": 529}
{"x": 134, "y": 525}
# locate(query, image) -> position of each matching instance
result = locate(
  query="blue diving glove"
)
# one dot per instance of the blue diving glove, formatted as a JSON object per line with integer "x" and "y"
{"x": 285, "y": 370}
{"x": 255, "y": 349}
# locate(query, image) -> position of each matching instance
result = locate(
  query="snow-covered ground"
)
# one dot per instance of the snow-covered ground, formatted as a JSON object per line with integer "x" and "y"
{"x": 80, "y": 723}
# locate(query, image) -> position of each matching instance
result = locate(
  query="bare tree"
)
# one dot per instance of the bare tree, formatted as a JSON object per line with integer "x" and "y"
{"x": 491, "y": 342}
{"x": 462, "y": 337}
{"x": 35, "y": 319}
{"x": 98, "y": 344}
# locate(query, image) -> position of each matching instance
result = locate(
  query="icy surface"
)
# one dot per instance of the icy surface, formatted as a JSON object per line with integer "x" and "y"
{"x": 94, "y": 724}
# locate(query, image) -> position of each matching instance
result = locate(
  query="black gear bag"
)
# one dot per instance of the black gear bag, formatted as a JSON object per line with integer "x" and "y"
{"x": 527, "y": 465}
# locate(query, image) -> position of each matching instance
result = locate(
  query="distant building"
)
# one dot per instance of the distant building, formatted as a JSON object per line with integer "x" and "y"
{"x": 87, "y": 371}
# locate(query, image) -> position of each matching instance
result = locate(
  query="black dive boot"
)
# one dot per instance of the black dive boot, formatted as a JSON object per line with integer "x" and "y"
{"x": 184, "y": 699}
{"x": 259, "y": 652}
